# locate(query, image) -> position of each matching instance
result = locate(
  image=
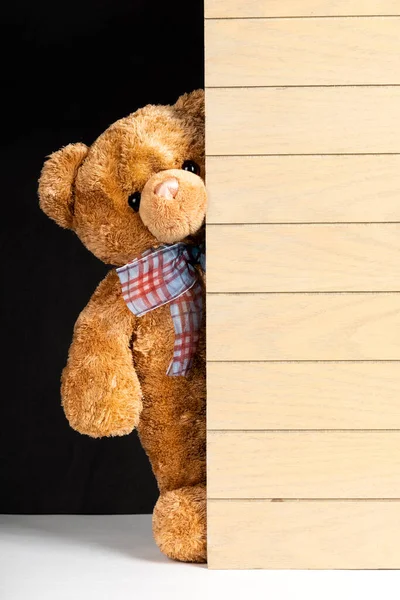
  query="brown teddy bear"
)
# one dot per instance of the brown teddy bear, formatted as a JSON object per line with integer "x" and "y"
{"x": 136, "y": 199}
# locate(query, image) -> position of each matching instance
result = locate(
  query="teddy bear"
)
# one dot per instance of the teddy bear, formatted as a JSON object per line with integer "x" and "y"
{"x": 136, "y": 199}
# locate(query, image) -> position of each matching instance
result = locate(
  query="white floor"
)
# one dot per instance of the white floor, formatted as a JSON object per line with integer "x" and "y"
{"x": 115, "y": 558}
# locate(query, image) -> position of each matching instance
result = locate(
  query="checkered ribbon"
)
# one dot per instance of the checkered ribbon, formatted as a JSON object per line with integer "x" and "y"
{"x": 166, "y": 275}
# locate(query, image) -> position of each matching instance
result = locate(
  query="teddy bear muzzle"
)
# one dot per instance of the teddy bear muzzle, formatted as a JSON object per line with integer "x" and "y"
{"x": 173, "y": 205}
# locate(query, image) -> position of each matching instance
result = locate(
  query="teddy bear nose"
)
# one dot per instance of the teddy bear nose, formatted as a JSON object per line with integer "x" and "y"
{"x": 167, "y": 188}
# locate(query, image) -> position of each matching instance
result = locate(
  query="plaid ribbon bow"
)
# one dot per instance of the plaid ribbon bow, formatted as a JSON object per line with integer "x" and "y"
{"x": 166, "y": 275}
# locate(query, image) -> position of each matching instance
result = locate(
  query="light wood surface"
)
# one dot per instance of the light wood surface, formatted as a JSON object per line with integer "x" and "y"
{"x": 325, "y": 120}
{"x": 293, "y": 8}
{"x": 303, "y": 304}
{"x": 303, "y": 327}
{"x": 303, "y": 464}
{"x": 303, "y": 52}
{"x": 294, "y": 258}
{"x": 303, "y": 395}
{"x": 303, "y": 189}
{"x": 303, "y": 535}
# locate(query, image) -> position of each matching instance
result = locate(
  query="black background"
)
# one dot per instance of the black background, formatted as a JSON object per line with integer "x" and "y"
{"x": 69, "y": 69}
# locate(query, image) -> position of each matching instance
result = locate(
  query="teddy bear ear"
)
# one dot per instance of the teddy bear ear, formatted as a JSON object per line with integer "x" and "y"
{"x": 192, "y": 104}
{"x": 56, "y": 183}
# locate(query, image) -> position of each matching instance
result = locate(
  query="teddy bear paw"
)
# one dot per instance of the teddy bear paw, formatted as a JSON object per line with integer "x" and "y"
{"x": 179, "y": 524}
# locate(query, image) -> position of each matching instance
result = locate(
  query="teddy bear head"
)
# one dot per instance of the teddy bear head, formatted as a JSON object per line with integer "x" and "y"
{"x": 140, "y": 184}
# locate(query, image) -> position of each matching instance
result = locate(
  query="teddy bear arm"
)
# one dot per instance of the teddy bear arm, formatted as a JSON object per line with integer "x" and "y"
{"x": 101, "y": 392}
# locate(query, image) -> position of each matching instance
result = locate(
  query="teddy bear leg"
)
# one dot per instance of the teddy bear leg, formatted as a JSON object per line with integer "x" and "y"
{"x": 179, "y": 524}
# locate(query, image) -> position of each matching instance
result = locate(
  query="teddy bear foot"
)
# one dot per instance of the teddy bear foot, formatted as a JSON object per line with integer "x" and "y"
{"x": 179, "y": 524}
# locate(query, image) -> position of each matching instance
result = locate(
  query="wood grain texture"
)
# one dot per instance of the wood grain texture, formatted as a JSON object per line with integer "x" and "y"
{"x": 303, "y": 302}
{"x": 303, "y": 258}
{"x": 291, "y": 395}
{"x": 302, "y": 8}
{"x": 303, "y": 535}
{"x": 303, "y": 464}
{"x": 330, "y": 120}
{"x": 356, "y": 326}
{"x": 296, "y": 189}
{"x": 302, "y": 52}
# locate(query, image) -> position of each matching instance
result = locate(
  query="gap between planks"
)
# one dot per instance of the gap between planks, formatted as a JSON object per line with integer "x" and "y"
{"x": 234, "y": 224}
{"x": 303, "y": 154}
{"x": 303, "y": 499}
{"x": 305, "y": 293}
{"x": 301, "y": 17}
{"x": 228, "y": 431}
{"x": 284, "y": 87}
{"x": 384, "y": 360}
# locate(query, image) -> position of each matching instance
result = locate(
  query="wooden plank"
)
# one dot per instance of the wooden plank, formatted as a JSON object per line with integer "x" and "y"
{"x": 303, "y": 327}
{"x": 291, "y": 395}
{"x": 303, "y": 258}
{"x": 305, "y": 8}
{"x": 295, "y": 189}
{"x": 303, "y": 535}
{"x": 303, "y": 464}
{"x": 324, "y": 120}
{"x": 302, "y": 52}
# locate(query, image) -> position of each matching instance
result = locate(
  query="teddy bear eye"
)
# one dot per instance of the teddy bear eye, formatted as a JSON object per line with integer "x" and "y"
{"x": 190, "y": 165}
{"x": 134, "y": 201}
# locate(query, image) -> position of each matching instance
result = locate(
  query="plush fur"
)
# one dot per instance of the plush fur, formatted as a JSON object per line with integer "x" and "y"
{"x": 115, "y": 378}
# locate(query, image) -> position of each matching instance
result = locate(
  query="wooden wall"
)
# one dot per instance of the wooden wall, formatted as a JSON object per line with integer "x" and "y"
{"x": 303, "y": 260}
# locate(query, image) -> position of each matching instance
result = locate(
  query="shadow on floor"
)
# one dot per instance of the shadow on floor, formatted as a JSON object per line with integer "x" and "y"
{"x": 129, "y": 535}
